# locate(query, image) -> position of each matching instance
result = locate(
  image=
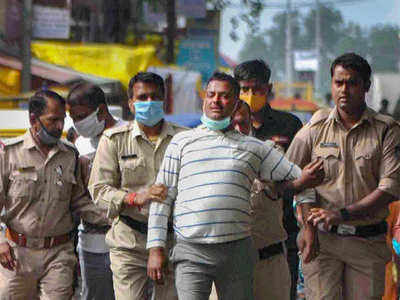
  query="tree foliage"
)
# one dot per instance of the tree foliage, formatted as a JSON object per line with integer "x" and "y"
{"x": 384, "y": 48}
{"x": 379, "y": 44}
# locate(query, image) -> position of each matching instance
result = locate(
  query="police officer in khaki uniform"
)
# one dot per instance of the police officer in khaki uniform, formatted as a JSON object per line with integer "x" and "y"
{"x": 86, "y": 104}
{"x": 360, "y": 151}
{"x": 40, "y": 188}
{"x": 125, "y": 166}
{"x": 266, "y": 227}
{"x": 281, "y": 127}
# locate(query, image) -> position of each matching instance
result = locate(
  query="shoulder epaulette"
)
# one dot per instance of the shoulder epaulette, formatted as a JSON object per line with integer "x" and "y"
{"x": 386, "y": 119}
{"x": 69, "y": 145}
{"x": 119, "y": 129}
{"x": 179, "y": 127}
{"x": 319, "y": 116}
{"x": 13, "y": 141}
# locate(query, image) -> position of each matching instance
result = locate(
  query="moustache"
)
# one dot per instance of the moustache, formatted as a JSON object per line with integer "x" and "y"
{"x": 56, "y": 133}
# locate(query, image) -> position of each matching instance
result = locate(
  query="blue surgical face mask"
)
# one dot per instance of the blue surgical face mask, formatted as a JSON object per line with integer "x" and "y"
{"x": 149, "y": 113}
{"x": 215, "y": 124}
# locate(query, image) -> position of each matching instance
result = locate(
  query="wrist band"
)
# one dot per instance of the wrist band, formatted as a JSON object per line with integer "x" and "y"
{"x": 131, "y": 199}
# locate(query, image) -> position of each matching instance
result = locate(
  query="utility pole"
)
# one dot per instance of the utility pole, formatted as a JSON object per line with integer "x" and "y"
{"x": 26, "y": 46}
{"x": 289, "y": 49}
{"x": 318, "y": 46}
{"x": 171, "y": 30}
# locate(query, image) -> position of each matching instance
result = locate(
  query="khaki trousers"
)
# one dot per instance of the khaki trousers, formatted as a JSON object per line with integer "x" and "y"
{"x": 128, "y": 256}
{"x": 41, "y": 273}
{"x": 348, "y": 268}
{"x": 272, "y": 278}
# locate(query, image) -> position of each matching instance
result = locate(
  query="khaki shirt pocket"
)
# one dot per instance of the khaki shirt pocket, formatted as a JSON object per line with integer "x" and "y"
{"x": 133, "y": 171}
{"x": 331, "y": 159}
{"x": 63, "y": 186}
{"x": 22, "y": 184}
{"x": 364, "y": 159}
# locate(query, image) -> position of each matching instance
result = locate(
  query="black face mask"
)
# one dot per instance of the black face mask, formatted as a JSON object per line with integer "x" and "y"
{"x": 46, "y": 137}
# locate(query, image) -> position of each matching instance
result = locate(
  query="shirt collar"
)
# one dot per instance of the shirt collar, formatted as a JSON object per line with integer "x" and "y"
{"x": 166, "y": 130}
{"x": 367, "y": 115}
{"x": 30, "y": 143}
{"x": 222, "y": 132}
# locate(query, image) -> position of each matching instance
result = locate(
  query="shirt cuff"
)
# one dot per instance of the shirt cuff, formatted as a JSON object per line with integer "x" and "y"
{"x": 155, "y": 243}
{"x": 115, "y": 204}
{"x": 390, "y": 186}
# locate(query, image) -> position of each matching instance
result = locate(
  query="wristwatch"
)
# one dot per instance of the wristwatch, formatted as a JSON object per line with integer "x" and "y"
{"x": 344, "y": 213}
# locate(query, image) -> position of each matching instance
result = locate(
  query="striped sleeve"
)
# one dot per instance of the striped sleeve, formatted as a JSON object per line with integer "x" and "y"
{"x": 160, "y": 212}
{"x": 276, "y": 167}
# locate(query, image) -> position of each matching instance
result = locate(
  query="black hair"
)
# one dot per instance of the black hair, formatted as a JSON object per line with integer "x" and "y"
{"x": 146, "y": 77}
{"x": 251, "y": 69}
{"x": 71, "y": 134}
{"x": 221, "y": 76}
{"x": 354, "y": 62}
{"x": 38, "y": 102}
{"x": 85, "y": 93}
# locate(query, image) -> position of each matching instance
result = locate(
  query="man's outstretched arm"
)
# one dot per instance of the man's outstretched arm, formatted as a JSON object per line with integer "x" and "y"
{"x": 160, "y": 212}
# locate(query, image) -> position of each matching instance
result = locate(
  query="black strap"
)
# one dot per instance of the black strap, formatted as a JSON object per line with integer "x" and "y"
{"x": 135, "y": 225}
{"x": 270, "y": 251}
{"x": 92, "y": 228}
{"x": 139, "y": 226}
{"x": 366, "y": 230}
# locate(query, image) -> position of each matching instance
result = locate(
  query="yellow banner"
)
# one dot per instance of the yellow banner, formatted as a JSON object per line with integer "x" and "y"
{"x": 9, "y": 81}
{"x": 106, "y": 60}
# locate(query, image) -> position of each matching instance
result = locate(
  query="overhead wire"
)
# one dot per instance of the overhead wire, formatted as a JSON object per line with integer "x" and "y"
{"x": 303, "y": 4}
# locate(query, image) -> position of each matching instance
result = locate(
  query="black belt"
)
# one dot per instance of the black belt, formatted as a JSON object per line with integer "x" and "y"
{"x": 270, "y": 251}
{"x": 360, "y": 231}
{"x": 137, "y": 225}
{"x": 91, "y": 228}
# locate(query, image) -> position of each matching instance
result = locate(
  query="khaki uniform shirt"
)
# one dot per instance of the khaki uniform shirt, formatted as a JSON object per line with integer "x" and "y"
{"x": 40, "y": 193}
{"x": 267, "y": 213}
{"x": 267, "y": 216}
{"x": 127, "y": 161}
{"x": 356, "y": 161}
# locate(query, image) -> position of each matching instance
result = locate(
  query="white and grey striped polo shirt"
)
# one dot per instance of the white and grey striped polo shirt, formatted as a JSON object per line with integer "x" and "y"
{"x": 209, "y": 175}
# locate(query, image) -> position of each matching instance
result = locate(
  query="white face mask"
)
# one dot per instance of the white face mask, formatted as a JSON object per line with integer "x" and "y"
{"x": 90, "y": 126}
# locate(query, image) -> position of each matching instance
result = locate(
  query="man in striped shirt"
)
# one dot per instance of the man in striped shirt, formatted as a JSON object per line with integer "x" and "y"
{"x": 209, "y": 172}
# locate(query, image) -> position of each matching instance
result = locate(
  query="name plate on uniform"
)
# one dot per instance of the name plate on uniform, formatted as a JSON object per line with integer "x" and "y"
{"x": 329, "y": 145}
{"x": 344, "y": 229}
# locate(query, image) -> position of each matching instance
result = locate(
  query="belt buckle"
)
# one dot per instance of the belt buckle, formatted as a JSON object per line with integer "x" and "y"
{"x": 344, "y": 229}
{"x": 36, "y": 243}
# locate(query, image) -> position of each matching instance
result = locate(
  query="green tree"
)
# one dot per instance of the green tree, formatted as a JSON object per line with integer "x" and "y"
{"x": 276, "y": 41}
{"x": 384, "y": 48}
{"x": 255, "y": 48}
{"x": 353, "y": 39}
{"x": 331, "y": 28}
{"x": 331, "y": 32}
